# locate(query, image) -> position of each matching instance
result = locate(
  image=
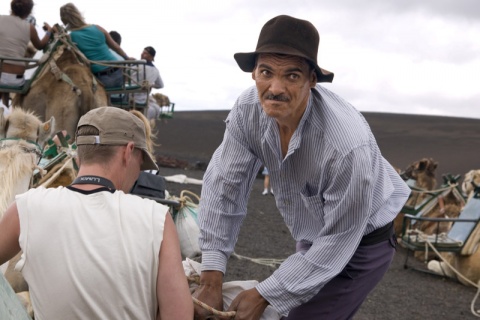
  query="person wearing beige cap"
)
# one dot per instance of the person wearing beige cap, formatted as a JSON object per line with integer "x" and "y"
{"x": 91, "y": 250}
{"x": 335, "y": 191}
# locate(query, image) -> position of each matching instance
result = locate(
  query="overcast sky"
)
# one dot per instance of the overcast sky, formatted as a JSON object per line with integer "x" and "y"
{"x": 400, "y": 56}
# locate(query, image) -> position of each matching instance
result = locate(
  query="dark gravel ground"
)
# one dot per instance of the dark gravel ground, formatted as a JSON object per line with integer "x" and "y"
{"x": 403, "y": 293}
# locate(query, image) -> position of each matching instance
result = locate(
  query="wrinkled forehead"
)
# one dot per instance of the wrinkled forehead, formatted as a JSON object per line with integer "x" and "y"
{"x": 282, "y": 60}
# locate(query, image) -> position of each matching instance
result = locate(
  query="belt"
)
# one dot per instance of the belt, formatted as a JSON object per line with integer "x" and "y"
{"x": 105, "y": 72}
{"x": 379, "y": 235}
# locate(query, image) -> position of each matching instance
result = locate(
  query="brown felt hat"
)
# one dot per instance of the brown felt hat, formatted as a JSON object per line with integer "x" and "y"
{"x": 286, "y": 35}
{"x": 116, "y": 127}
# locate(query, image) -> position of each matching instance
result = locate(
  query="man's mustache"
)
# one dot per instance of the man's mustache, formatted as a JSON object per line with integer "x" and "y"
{"x": 280, "y": 97}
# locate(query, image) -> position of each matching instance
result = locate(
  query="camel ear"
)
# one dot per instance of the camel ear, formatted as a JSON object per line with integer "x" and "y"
{"x": 3, "y": 123}
{"x": 422, "y": 165}
{"x": 46, "y": 130}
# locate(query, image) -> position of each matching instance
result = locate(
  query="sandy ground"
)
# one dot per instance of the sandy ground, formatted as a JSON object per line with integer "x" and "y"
{"x": 191, "y": 137}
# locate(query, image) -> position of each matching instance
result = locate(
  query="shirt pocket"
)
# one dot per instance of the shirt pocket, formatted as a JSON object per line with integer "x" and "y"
{"x": 313, "y": 203}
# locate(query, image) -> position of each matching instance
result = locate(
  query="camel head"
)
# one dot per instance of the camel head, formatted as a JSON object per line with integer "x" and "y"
{"x": 471, "y": 181}
{"x": 423, "y": 171}
{"x": 161, "y": 99}
{"x": 25, "y": 125}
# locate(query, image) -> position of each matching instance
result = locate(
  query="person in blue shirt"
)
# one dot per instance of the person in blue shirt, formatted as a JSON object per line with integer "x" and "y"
{"x": 95, "y": 43}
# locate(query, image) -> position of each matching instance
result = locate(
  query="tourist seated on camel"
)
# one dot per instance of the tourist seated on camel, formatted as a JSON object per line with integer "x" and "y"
{"x": 94, "y": 42}
{"x": 15, "y": 34}
{"x": 117, "y": 37}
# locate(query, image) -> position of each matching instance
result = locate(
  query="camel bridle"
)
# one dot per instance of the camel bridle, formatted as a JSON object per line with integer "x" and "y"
{"x": 37, "y": 150}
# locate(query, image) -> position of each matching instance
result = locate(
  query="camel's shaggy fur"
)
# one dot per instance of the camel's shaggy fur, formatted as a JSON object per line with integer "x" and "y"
{"x": 467, "y": 266}
{"x": 470, "y": 182}
{"x": 423, "y": 172}
{"x": 20, "y": 132}
{"x": 18, "y": 153}
{"x": 161, "y": 99}
{"x": 16, "y": 167}
{"x": 51, "y": 94}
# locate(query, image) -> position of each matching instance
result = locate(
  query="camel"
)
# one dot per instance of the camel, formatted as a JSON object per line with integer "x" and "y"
{"x": 22, "y": 134}
{"x": 64, "y": 87}
{"x": 450, "y": 203}
{"x": 467, "y": 262}
{"x": 423, "y": 173}
{"x": 157, "y": 101}
{"x": 447, "y": 204}
{"x": 161, "y": 99}
{"x": 467, "y": 266}
{"x": 470, "y": 182}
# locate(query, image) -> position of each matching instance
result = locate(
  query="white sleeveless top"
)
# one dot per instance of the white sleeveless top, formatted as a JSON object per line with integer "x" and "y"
{"x": 14, "y": 38}
{"x": 90, "y": 256}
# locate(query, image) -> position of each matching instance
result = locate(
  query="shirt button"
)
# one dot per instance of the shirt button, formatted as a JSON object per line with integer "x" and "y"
{"x": 286, "y": 202}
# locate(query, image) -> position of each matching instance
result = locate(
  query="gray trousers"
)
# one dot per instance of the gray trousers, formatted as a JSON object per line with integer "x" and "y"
{"x": 343, "y": 295}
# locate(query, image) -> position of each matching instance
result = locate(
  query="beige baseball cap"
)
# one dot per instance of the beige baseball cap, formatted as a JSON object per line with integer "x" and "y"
{"x": 116, "y": 127}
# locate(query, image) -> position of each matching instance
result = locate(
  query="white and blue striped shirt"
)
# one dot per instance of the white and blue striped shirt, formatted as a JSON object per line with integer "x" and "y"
{"x": 332, "y": 188}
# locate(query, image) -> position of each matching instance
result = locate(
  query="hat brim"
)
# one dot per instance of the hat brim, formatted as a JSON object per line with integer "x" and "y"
{"x": 148, "y": 161}
{"x": 246, "y": 61}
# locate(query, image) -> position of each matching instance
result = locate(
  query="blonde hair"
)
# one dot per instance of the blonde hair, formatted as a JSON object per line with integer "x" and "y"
{"x": 148, "y": 130}
{"x": 71, "y": 17}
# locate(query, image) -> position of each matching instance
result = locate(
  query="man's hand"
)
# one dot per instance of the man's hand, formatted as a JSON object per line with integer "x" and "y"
{"x": 249, "y": 305}
{"x": 209, "y": 292}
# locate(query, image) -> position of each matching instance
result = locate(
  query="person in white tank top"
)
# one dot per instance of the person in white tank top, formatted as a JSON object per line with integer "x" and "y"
{"x": 90, "y": 250}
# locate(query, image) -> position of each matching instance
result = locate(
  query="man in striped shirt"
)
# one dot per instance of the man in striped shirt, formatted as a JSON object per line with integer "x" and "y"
{"x": 336, "y": 192}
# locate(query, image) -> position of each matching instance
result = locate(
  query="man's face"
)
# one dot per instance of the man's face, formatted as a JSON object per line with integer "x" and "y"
{"x": 283, "y": 83}
{"x": 146, "y": 56}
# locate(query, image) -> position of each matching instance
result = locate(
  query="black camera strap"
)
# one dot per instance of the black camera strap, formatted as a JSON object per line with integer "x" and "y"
{"x": 94, "y": 180}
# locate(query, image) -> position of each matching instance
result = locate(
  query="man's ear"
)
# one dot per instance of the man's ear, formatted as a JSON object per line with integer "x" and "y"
{"x": 129, "y": 150}
{"x": 313, "y": 79}
{"x": 126, "y": 152}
